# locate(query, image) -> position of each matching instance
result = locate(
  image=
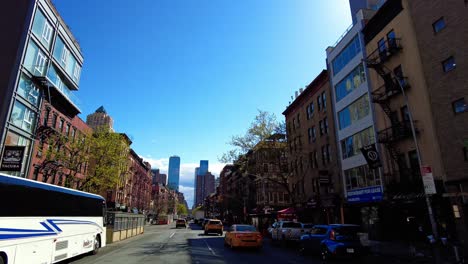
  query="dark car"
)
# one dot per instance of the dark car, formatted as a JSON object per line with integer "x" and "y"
{"x": 333, "y": 241}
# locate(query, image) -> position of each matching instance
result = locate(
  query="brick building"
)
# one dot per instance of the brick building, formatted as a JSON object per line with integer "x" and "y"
{"x": 315, "y": 176}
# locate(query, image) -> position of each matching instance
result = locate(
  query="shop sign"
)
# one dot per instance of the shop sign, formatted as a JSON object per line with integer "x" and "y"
{"x": 369, "y": 194}
{"x": 12, "y": 158}
{"x": 371, "y": 155}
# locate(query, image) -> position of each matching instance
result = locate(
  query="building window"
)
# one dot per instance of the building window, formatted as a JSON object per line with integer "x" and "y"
{"x": 67, "y": 129}
{"x": 76, "y": 73}
{"x": 382, "y": 49}
{"x": 414, "y": 165}
{"x": 391, "y": 38}
{"x": 27, "y": 90}
{"x": 346, "y": 55}
{"x": 324, "y": 155}
{"x": 46, "y": 117}
{"x": 73, "y": 133}
{"x": 459, "y": 106}
{"x": 324, "y": 101}
{"x": 23, "y": 117}
{"x": 298, "y": 121}
{"x": 61, "y": 122}
{"x": 354, "y": 112}
{"x": 294, "y": 123}
{"x": 64, "y": 57}
{"x": 40, "y": 63}
{"x": 54, "y": 120}
{"x": 42, "y": 28}
{"x": 328, "y": 153}
{"x": 309, "y": 133}
{"x": 351, "y": 146}
{"x": 449, "y": 64}
{"x": 321, "y": 127}
{"x": 351, "y": 82}
{"x": 310, "y": 110}
{"x": 325, "y": 122}
{"x": 265, "y": 167}
{"x": 361, "y": 177}
{"x": 47, "y": 33}
{"x": 314, "y": 134}
{"x": 438, "y": 25}
{"x": 465, "y": 153}
{"x": 319, "y": 103}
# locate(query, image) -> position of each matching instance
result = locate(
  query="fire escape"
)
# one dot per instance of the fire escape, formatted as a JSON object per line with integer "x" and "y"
{"x": 393, "y": 82}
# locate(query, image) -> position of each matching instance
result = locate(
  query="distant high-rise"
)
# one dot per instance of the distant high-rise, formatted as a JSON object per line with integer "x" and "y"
{"x": 100, "y": 118}
{"x": 158, "y": 177}
{"x": 205, "y": 185}
{"x": 174, "y": 173}
{"x": 203, "y": 167}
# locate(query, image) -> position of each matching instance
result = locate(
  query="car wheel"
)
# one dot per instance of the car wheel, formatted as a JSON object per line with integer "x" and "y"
{"x": 205, "y": 233}
{"x": 97, "y": 245}
{"x": 2, "y": 261}
{"x": 324, "y": 254}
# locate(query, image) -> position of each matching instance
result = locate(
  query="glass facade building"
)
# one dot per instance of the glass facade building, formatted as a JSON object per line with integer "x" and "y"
{"x": 203, "y": 169}
{"x": 174, "y": 173}
{"x": 48, "y": 66}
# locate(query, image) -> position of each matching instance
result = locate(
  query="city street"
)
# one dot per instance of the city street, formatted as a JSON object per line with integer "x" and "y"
{"x": 165, "y": 244}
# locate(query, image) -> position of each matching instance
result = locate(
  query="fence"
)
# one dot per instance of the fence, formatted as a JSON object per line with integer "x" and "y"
{"x": 121, "y": 226}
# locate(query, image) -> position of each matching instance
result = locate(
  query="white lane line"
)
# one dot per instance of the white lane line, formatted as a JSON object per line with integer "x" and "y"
{"x": 163, "y": 245}
{"x": 212, "y": 251}
{"x": 172, "y": 235}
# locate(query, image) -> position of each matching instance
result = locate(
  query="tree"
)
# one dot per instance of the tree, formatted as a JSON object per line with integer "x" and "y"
{"x": 66, "y": 157}
{"x": 181, "y": 209}
{"x": 263, "y": 126}
{"x": 108, "y": 156}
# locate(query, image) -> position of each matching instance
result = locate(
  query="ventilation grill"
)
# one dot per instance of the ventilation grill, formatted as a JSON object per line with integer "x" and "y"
{"x": 61, "y": 245}
{"x": 59, "y": 257}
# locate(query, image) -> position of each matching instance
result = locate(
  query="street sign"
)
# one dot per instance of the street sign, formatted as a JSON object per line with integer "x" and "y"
{"x": 428, "y": 180}
{"x": 372, "y": 156}
{"x": 12, "y": 158}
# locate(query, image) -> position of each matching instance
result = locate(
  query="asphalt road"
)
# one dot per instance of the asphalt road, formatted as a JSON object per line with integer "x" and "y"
{"x": 165, "y": 244}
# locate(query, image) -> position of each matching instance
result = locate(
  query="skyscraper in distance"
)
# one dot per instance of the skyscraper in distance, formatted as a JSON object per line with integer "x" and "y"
{"x": 174, "y": 172}
{"x": 203, "y": 167}
{"x": 100, "y": 118}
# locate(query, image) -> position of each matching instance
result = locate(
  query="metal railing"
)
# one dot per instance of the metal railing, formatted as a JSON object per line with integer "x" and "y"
{"x": 123, "y": 221}
{"x": 384, "y": 52}
{"x": 388, "y": 90}
{"x": 395, "y": 132}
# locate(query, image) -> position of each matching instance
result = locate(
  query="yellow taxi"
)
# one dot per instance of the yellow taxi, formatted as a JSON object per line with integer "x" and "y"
{"x": 214, "y": 226}
{"x": 243, "y": 236}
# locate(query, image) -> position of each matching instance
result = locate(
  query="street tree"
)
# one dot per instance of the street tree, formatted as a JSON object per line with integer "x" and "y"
{"x": 181, "y": 209}
{"x": 108, "y": 155}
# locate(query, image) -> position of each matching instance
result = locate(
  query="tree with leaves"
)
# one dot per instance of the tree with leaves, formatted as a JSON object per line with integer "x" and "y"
{"x": 108, "y": 155}
{"x": 181, "y": 209}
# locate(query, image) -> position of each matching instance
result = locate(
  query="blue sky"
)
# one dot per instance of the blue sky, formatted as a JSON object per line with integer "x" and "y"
{"x": 182, "y": 77}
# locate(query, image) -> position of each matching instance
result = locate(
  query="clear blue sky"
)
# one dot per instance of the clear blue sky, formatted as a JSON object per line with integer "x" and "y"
{"x": 182, "y": 77}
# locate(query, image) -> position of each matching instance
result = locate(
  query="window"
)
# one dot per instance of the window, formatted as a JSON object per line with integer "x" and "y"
{"x": 449, "y": 64}
{"x": 346, "y": 55}
{"x": 459, "y": 106}
{"x": 391, "y": 39}
{"x": 76, "y": 73}
{"x": 265, "y": 167}
{"x": 40, "y": 64}
{"x": 54, "y": 120}
{"x": 294, "y": 123}
{"x": 382, "y": 49}
{"x": 465, "y": 153}
{"x": 46, "y": 117}
{"x": 310, "y": 110}
{"x": 315, "y": 160}
{"x": 27, "y": 90}
{"x": 67, "y": 129}
{"x": 23, "y": 117}
{"x": 298, "y": 121}
{"x": 61, "y": 125}
{"x": 310, "y": 135}
{"x": 405, "y": 114}
{"x": 64, "y": 57}
{"x": 414, "y": 165}
{"x": 324, "y": 101}
{"x": 325, "y": 122}
{"x": 328, "y": 153}
{"x": 42, "y": 29}
{"x": 438, "y": 25}
{"x": 351, "y": 82}
{"x": 354, "y": 112}
{"x": 314, "y": 134}
{"x": 351, "y": 146}
{"x": 324, "y": 155}
{"x": 321, "y": 127}
{"x": 73, "y": 133}
{"x": 319, "y": 103}
{"x": 361, "y": 177}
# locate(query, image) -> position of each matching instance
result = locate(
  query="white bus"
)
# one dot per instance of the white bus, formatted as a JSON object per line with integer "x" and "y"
{"x": 43, "y": 223}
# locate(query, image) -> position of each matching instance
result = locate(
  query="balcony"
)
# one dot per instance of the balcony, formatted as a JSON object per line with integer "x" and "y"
{"x": 384, "y": 52}
{"x": 60, "y": 92}
{"x": 397, "y": 132}
{"x": 389, "y": 89}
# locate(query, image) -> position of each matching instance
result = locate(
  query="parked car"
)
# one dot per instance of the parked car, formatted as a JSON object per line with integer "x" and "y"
{"x": 214, "y": 226}
{"x": 204, "y": 222}
{"x": 243, "y": 236}
{"x": 333, "y": 241}
{"x": 307, "y": 227}
{"x": 181, "y": 223}
{"x": 287, "y": 231}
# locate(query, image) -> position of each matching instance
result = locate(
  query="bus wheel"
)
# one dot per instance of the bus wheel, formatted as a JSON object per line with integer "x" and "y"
{"x": 97, "y": 245}
{"x": 3, "y": 258}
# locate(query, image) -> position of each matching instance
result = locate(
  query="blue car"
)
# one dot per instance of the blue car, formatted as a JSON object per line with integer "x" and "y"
{"x": 332, "y": 241}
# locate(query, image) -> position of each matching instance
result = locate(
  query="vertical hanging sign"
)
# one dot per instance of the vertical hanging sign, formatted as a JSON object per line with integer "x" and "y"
{"x": 12, "y": 158}
{"x": 428, "y": 180}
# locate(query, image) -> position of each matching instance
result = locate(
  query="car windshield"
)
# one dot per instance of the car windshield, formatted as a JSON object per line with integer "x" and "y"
{"x": 292, "y": 225}
{"x": 307, "y": 226}
{"x": 215, "y": 222}
{"x": 243, "y": 228}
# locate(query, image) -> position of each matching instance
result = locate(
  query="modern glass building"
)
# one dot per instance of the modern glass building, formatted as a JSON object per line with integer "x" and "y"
{"x": 41, "y": 61}
{"x": 354, "y": 113}
{"x": 174, "y": 173}
{"x": 203, "y": 169}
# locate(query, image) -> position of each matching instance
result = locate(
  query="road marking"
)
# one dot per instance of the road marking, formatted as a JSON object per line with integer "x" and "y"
{"x": 211, "y": 250}
{"x": 172, "y": 235}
